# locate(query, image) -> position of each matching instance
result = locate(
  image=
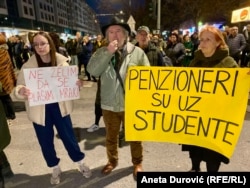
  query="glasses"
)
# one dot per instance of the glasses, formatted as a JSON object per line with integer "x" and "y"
{"x": 42, "y": 44}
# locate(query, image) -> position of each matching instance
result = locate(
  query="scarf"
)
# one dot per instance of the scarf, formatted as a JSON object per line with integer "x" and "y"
{"x": 201, "y": 61}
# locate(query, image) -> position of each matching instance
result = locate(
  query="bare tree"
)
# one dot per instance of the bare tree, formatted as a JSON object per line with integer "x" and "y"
{"x": 173, "y": 12}
{"x": 129, "y": 7}
{"x": 197, "y": 11}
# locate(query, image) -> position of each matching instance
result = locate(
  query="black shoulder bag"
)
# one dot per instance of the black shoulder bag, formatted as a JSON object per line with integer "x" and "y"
{"x": 117, "y": 61}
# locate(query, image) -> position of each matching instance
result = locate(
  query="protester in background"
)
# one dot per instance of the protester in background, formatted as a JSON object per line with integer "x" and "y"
{"x": 111, "y": 63}
{"x": 7, "y": 79}
{"x": 79, "y": 50}
{"x": 189, "y": 48}
{"x": 26, "y": 53}
{"x": 11, "y": 43}
{"x": 195, "y": 41}
{"x": 7, "y": 84}
{"x": 44, "y": 117}
{"x": 5, "y": 138}
{"x": 70, "y": 45}
{"x": 87, "y": 52}
{"x": 213, "y": 52}
{"x": 98, "y": 43}
{"x": 159, "y": 42}
{"x": 132, "y": 37}
{"x": 60, "y": 48}
{"x": 153, "y": 53}
{"x": 143, "y": 41}
{"x": 227, "y": 30}
{"x": 236, "y": 43}
{"x": 175, "y": 50}
{"x": 245, "y": 57}
{"x": 18, "y": 49}
{"x": 98, "y": 110}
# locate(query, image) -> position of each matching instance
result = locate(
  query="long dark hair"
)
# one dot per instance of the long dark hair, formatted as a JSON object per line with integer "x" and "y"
{"x": 52, "y": 49}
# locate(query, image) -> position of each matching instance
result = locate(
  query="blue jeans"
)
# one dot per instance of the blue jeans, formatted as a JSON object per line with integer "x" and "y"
{"x": 45, "y": 135}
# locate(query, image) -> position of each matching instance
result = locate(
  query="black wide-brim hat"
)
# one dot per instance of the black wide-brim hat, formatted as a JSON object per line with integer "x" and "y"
{"x": 116, "y": 21}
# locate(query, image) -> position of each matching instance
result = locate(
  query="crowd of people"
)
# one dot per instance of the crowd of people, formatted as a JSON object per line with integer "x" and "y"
{"x": 105, "y": 61}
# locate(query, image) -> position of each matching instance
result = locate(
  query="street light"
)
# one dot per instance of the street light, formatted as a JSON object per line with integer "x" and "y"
{"x": 159, "y": 15}
{"x": 120, "y": 13}
{"x": 112, "y": 14}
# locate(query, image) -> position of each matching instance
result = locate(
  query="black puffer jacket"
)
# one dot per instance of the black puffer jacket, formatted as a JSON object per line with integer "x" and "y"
{"x": 154, "y": 55}
{"x": 219, "y": 59}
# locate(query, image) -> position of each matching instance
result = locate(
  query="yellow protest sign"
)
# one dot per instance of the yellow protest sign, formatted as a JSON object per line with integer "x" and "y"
{"x": 196, "y": 106}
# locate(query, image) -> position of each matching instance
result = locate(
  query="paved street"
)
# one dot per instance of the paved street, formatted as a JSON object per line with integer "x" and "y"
{"x": 31, "y": 171}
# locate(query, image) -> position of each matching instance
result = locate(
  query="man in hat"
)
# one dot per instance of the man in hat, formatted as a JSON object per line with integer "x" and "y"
{"x": 110, "y": 63}
{"x": 153, "y": 52}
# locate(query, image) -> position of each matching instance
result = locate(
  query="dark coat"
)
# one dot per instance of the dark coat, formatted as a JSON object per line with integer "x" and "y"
{"x": 86, "y": 52}
{"x": 154, "y": 55}
{"x": 220, "y": 59}
{"x": 176, "y": 52}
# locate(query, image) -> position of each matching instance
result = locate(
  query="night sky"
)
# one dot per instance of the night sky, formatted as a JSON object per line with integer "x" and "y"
{"x": 92, "y": 4}
{"x": 105, "y": 19}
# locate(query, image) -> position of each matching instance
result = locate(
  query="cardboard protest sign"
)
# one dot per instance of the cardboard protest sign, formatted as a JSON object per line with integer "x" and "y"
{"x": 196, "y": 106}
{"x": 52, "y": 84}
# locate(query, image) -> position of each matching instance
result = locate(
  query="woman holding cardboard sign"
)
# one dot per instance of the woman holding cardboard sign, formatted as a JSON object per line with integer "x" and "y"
{"x": 45, "y": 116}
{"x": 212, "y": 52}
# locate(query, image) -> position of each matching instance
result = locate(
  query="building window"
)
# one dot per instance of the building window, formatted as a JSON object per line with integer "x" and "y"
{"x": 25, "y": 9}
{"x": 3, "y": 4}
{"x": 31, "y": 12}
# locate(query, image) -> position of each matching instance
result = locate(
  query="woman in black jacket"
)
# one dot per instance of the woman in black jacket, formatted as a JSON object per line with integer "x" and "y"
{"x": 213, "y": 52}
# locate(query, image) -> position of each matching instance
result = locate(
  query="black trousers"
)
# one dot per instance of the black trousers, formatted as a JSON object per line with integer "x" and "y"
{"x": 197, "y": 155}
{"x": 8, "y": 106}
{"x": 1, "y": 177}
{"x": 98, "y": 113}
{"x": 245, "y": 58}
